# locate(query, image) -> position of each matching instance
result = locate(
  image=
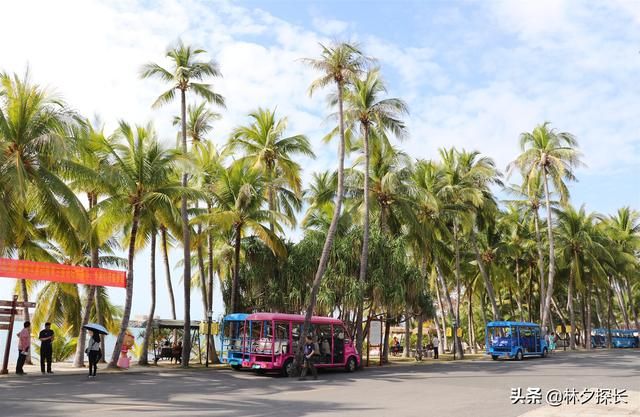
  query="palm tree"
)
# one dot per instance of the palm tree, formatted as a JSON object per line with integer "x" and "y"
{"x": 186, "y": 68}
{"x": 551, "y": 155}
{"x": 581, "y": 251}
{"x": 265, "y": 147}
{"x": 339, "y": 64}
{"x": 140, "y": 171}
{"x": 33, "y": 127}
{"x": 238, "y": 196}
{"x": 367, "y": 111}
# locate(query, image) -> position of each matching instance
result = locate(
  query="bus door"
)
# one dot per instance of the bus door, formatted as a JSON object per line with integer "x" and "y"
{"x": 325, "y": 343}
{"x": 338, "y": 343}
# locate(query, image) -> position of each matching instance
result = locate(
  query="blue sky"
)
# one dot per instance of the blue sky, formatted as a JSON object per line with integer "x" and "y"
{"x": 475, "y": 74}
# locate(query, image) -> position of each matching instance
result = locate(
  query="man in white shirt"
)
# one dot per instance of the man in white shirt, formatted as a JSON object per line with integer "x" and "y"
{"x": 435, "y": 342}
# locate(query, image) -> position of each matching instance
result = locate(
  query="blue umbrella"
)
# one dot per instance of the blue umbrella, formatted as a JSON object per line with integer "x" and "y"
{"x": 96, "y": 328}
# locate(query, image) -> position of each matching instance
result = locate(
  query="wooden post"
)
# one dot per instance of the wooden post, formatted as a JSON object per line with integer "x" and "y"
{"x": 7, "y": 348}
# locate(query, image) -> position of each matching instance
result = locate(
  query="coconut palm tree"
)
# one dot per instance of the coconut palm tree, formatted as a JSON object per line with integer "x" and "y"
{"x": 265, "y": 146}
{"x": 238, "y": 197}
{"x": 339, "y": 65}
{"x": 33, "y": 126}
{"x": 581, "y": 251}
{"x": 140, "y": 171}
{"x": 185, "y": 75}
{"x": 551, "y": 155}
{"x": 366, "y": 111}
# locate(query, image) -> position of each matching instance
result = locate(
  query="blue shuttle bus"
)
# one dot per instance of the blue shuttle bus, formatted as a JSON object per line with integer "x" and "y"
{"x": 514, "y": 340}
{"x": 233, "y": 340}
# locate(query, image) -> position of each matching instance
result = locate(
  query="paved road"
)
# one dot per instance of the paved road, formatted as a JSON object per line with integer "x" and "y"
{"x": 479, "y": 388}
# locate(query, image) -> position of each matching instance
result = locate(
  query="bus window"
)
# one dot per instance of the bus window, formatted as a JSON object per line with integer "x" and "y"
{"x": 500, "y": 336}
{"x": 282, "y": 338}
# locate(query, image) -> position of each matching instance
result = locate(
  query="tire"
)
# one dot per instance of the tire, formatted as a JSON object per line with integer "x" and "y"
{"x": 351, "y": 364}
{"x": 494, "y": 357}
{"x": 519, "y": 355}
{"x": 236, "y": 367}
{"x": 545, "y": 352}
{"x": 287, "y": 368}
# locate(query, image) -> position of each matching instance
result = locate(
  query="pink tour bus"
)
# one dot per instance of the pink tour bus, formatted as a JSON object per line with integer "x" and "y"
{"x": 271, "y": 340}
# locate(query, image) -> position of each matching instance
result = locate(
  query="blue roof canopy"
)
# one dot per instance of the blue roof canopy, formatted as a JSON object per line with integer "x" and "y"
{"x": 235, "y": 317}
{"x": 511, "y": 324}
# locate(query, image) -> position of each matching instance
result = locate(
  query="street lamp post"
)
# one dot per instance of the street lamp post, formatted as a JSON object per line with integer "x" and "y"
{"x": 209, "y": 315}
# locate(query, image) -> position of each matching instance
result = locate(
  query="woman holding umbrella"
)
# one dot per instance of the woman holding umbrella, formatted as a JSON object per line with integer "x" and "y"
{"x": 93, "y": 350}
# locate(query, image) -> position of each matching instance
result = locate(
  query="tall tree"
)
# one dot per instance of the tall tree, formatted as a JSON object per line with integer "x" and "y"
{"x": 339, "y": 65}
{"x": 34, "y": 126}
{"x": 186, "y": 72}
{"x": 551, "y": 155}
{"x": 140, "y": 170}
{"x": 367, "y": 111}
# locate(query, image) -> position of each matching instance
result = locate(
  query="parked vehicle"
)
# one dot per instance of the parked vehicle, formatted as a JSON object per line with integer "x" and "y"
{"x": 624, "y": 338}
{"x": 272, "y": 340}
{"x": 232, "y": 340}
{"x": 514, "y": 340}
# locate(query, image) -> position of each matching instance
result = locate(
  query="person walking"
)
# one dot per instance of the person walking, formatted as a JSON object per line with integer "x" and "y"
{"x": 552, "y": 342}
{"x": 436, "y": 343}
{"x": 94, "y": 353}
{"x": 24, "y": 346}
{"x": 46, "y": 347}
{"x": 310, "y": 352}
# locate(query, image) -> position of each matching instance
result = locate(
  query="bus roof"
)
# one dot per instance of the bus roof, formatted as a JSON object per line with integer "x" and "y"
{"x": 511, "y": 324}
{"x": 235, "y": 317}
{"x": 292, "y": 317}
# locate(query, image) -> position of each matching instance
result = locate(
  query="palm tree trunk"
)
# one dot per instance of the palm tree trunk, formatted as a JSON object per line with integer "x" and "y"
{"x": 364, "y": 257}
{"x": 485, "y": 277}
{"x": 609, "y": 313}
{"x": 633, "y": 306}
{"x": 530, "y": 295}
{"x": 100, "y": 320}
{"x": 552, "y": 256}
{"x": 203, "y": 277}
{"x": 331, "y": 233}
{"x": 458, "y": 344}
{"x": 78, "y": 361}
{"x": 167, "y": 270}
{"x": 186, "y": 242}
{"x": 442, "y": 336}
{"x": 385, "y": 342}
{"x": 144, "y": 357}
{"x": 129, "y": 288}
{"x": 407, "y": 334}
{"x": 419, "y": 337}
{"x": 572, "y": 319}
{"x": 213, "y": 355}
{"x": 518, "y": 293}
{"x": 536, "y": 222}
{"x": 472, "y": 341}
{"x": 25, "y": 311}
{"x": 621, "y": 304}
{"x": 587, "y": 327}
{"x": 236, "y": 271}
{"x": 456, "y": 341}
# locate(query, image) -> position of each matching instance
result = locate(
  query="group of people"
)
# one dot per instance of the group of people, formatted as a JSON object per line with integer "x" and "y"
{"x": 46, "y": 337}
{"x": 396, "y": 348}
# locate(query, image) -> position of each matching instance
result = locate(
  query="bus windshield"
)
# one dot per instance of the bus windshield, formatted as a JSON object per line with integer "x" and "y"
{"x": 499, "y": 336}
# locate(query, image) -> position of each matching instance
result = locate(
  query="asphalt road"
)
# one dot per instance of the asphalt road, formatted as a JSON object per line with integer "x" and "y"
{"x": 478, "y": 388}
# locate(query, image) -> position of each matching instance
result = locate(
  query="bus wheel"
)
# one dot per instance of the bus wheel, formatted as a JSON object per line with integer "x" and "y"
{"x": 519, "y": 355}
{"x": 236, "y": 367}
{"x": 351, "y": 364}
{"x": 287, "y": 369}
{"x": 494, "y": 357}
{"x": 544, "y": 352}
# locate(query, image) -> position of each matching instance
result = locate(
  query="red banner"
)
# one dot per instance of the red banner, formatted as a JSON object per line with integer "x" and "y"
{"x": 44, "y": 271}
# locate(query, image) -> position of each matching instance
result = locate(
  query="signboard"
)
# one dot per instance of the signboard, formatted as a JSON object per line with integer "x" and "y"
{"x": 375, "y": 332}
{"x": 204, "y": 327}
{"x": 450, "y": 332}
{"x": 44, "y": 271}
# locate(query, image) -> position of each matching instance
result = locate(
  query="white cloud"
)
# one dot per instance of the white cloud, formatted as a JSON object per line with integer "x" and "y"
{"x": 329, "y": 26}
